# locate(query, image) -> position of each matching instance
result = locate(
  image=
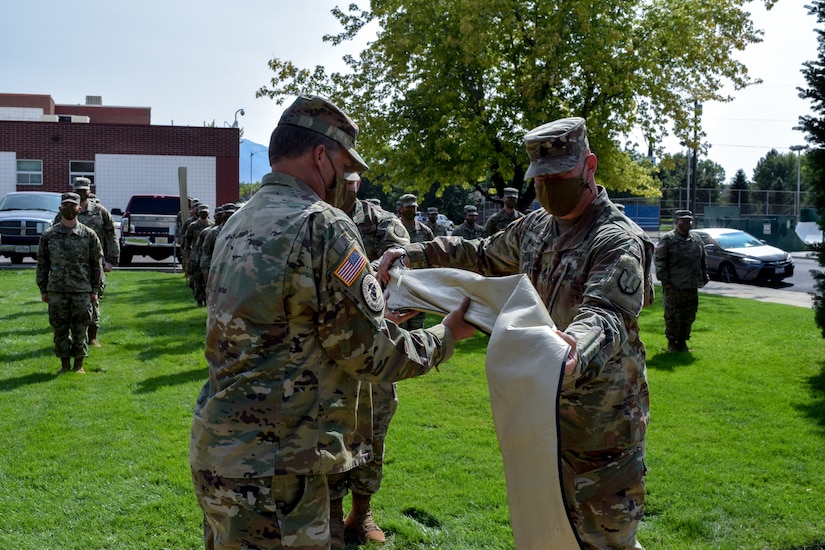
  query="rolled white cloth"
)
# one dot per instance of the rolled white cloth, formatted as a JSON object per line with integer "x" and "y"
{"x": 524, "y": 365}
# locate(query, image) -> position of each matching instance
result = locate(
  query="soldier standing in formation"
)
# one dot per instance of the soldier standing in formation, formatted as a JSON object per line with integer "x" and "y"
{"x": 506, "y": 215}
{"x": 681, "y": 267}
{"x": 296, "y": 319}
{"x": 588, "y": 263}
{"x": 211, "y": 236}
{"x": 95, "y": 216}
{"x": 418, "y": 233}
{"x": 69, "y": 274}
{"x": 181, "y": 240}
{"x": 380, "y": 230}
{"x": 191, "y": 252}
{"x": 469, "y": 229}
{"x": 432, "y": 222}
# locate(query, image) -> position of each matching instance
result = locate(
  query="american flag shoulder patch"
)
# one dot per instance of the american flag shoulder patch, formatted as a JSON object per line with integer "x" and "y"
{"x": 351, "y": 267}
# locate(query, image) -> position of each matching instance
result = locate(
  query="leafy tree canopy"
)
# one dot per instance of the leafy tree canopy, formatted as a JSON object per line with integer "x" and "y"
{"x": 448, "y": 88}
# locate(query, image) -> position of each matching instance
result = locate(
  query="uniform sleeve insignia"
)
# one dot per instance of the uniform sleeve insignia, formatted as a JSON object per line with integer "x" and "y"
{"x": 629, "y": 282}
{"x": 372, "y": 293}
{"x": 351, "y": 267}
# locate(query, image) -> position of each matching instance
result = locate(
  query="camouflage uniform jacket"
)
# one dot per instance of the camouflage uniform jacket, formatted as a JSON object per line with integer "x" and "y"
{"x": 379, "y": 229}
{"x": 592, "y": 280}
{"x": 499, "y": 221}
{"x": 295, "y": 315}
{"x": 193, "y": 235}
{"x": 208, "y": 246}
{"x": 69, "y": 260}
{"x": 95, "y": 216}
{"x": 419, "y": 232}
{"x": 437, "y": 230}
{"x": 181, "y": 230}
{"x": 681, "y": 260}
{"x": 467, "y": 232}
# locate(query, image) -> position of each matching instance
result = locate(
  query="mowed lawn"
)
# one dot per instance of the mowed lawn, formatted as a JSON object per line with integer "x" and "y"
{"x": 736, "y": 446}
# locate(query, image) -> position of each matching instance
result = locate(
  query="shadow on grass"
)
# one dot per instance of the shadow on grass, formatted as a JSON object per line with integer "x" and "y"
{"x": 815, "y": 410}
{"x": 670, "y": 361}
{"x": 22, "y": 355}
{"x": 820, "y": 545}
{"x": 155, "y": 383}
{"x": 10, "y": 384}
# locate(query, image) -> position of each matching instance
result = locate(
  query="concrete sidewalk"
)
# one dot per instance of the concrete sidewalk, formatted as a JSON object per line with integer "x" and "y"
{"x": 753, "y": 292}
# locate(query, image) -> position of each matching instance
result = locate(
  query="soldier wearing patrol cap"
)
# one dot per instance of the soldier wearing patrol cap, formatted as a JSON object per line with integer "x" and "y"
{"x": 95, "y": 216}
{"x": 506, "y": 215}
{"x": 681, "y": 267}
{"x": 295, "y": 320}
{"x": 222, "y": 214}
{"x": 69, "y": 272}
{"x": 469, "y": 229}
{"x": 432, "y": 222}
{"x": 192, "y": 252}
{"x": 590, "y": 266}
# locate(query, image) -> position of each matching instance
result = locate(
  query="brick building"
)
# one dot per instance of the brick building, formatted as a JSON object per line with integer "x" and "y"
{"x": 44, "y": 145}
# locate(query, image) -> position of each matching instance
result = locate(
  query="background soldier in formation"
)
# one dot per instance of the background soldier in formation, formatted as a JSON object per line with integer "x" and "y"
{"x": 181, "y": 240}
{"x": 380, "y": 231}
{"x": 469, "y": 229}
{"x": 192, "y": 253}
{"x": 589, "y": 266}
{"x": 432, "y": 222}
{"x": 681, "y": 267}
{"x": 211, "y": 236}
{"x": 69, "y": 274}
{"x": 418, "y": 233}
{"x": 96, "y": 217}
{"x": 506, "y": 215}
{"x": 296, "y": 319}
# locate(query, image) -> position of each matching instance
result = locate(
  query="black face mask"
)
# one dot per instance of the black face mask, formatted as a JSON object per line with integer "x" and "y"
{"x": 68, "y": 212}
{"x": 560, "y": 196}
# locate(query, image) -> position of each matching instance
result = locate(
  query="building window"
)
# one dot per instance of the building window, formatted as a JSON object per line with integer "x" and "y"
{"x": 82, "y": 168}
{"x": 29, "y": 172}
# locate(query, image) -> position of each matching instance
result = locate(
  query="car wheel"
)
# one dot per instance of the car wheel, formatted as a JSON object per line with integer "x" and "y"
{"x": 727, "y": 274}
{"x": 16, "y": 258}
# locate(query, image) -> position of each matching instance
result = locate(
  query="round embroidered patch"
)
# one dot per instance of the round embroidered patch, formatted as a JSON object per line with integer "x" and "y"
{"x": 372, "y": 293}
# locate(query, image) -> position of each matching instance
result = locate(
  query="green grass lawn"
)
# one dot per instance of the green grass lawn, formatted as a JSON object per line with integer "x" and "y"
{"x": 736, "y": 446}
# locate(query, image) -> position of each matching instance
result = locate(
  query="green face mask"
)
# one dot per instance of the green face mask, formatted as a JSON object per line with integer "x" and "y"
{"x": 337, "y": 192}
{"x": 560, "y": 196}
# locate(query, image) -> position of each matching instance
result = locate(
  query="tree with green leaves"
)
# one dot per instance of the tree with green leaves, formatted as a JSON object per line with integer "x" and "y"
{"x": 447, "y": 89}
{"x": 737, "y": 191}
{"x": 814, "y": 128}
{"x": 774, "y": 180}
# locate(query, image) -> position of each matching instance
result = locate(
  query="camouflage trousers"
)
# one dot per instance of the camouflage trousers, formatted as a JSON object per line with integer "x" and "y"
{"x": 198, "y": 286}
{"x": 263, "y": 513}
{"x": 70, "y": 314}
{"x": 680, "y": 307}
{"x": 366, "y": 479}
{"x": 604, "y": 492}
{"x": 415, "y": 322}
{"x": 96, "y": 306}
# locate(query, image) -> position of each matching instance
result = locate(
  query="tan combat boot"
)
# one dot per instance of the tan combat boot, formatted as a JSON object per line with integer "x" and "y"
{"x": 65, "y": 365}
{"x": 336, "y": 524}
{"x": 360, "y": 521}
{"x": 78, "y": 365}
{"x": 93, "y": 341}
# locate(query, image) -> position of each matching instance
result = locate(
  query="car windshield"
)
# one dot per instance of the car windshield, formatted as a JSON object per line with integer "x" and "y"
{"x": 738, "y": 239}
{"x": 31, "y": 202}
{"x": 155, "y": 205}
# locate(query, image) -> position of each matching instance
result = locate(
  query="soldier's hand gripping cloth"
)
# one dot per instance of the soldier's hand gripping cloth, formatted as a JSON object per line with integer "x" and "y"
{"x": 524, "y": 365}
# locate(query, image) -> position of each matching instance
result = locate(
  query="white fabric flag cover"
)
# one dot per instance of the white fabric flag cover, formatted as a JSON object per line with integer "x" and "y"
{"x": 525, "y": 365}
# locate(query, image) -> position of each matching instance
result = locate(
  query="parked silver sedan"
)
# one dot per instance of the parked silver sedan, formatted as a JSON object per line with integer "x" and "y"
{"x": 734, "y": 255}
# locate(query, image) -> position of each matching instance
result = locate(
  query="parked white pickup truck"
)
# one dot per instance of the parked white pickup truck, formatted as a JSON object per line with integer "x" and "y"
{"x": 147, "y": 227}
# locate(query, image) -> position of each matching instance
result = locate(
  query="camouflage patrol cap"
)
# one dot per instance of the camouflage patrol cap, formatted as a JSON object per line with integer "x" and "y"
{"x": 352, "y": 176}
{"x": 230, "y": 207}
{"x": 319, "y": 115}
{"x": 408, "y": 199}
{"x": 218, "y": 210}
{"x": 510, "y": 192}
{"x": 556, "y": 147}
{"x": 432, "y": 210}
{"x": 70, "y": 197}
{"x": 683, "y": 215}
{"x": 376, "y": 202}
{"x": 203, "y": 207}
{"x": 470, "y": 210}
{"x": 82, "y": 183}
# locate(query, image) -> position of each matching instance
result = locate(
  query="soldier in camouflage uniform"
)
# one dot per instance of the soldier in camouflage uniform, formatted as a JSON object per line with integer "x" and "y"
{"x": 506, "y": 215}
{"x": 69, "y": 273}
{"x": 380, "y": 230}
{"x": 469, "y": 229}
{"x": 181, "y": 239}
{"x": 418, "y": 232}
{"x": 192, "y": 253}
{"x": 96, "y": 217}
{"x": 590, "y": 266}
{"x": 681, "y": 266}
{"x": 211, "y": 236}
{"x": 296, "y": 319}
{"x": 432, "y": 222}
